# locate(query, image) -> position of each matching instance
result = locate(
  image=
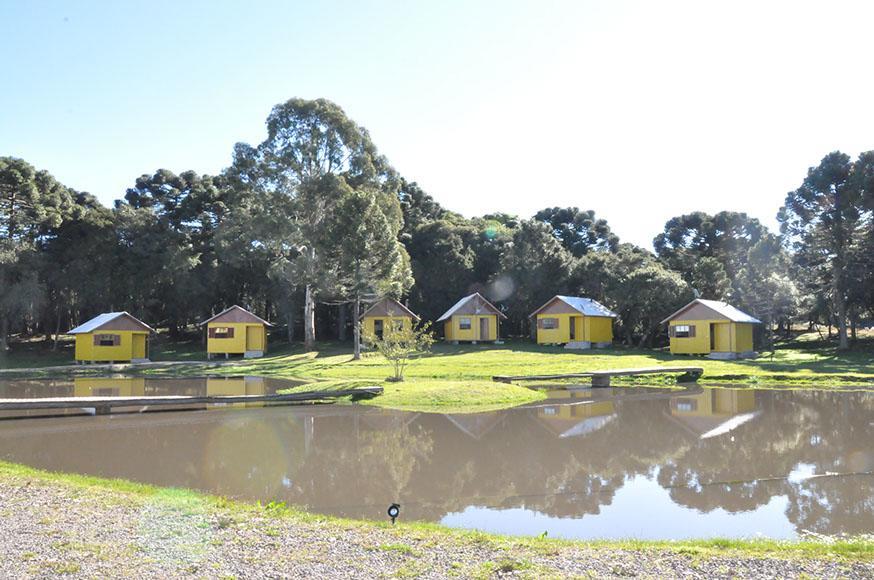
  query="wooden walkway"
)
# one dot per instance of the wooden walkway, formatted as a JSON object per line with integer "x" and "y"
{"x": 602, "y": 378}
{"x": 104, "y": 405}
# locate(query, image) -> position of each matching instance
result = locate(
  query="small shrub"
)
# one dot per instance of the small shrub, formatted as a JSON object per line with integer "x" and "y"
{"x": 399, "y": 343}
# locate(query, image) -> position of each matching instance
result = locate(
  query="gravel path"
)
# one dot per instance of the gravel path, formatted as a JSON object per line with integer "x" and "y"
{"x": 50, "y": 530}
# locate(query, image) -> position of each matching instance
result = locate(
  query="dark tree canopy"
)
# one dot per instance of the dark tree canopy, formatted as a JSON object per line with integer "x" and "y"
{"x": 726, "y": 236}
{"x": 314, "y": 222}
{"x": 579, "y": 231}
{"x": 826, "y": 222}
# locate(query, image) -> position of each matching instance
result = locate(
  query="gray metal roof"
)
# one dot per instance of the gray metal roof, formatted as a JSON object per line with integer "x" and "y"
{"x": 585, "y": 306}
{"x": 722, "y": 308}
{"x": 448, "y": 314}
{"x": 101, "y": 319}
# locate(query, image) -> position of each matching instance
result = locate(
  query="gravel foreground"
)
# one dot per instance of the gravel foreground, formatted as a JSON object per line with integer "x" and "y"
{"x": 49, "y": 529}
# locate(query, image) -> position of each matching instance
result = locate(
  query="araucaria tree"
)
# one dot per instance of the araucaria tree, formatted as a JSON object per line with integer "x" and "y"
{"x": 32, "y": 206}
{"x": 826, "y": 221}
{"x": 315, "y": 157}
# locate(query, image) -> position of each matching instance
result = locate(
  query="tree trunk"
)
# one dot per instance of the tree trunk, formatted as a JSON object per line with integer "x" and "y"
{"x": 289, "y": 318}
{"x": 356, "y": 333}
{"x": 4, "y": 334}
{"x": 57, "y": 328}
{"x": 841, "y": 304}
{"x": 341, "y": 323}
{"x": 309, "y": 319}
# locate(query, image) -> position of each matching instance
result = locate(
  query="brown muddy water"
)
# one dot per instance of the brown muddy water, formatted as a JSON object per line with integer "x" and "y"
{"x": 602, "y": 463}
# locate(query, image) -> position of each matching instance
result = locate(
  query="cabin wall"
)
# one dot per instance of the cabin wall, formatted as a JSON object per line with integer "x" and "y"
{"x": 126, "y": 350}
{"x": 728, "y": 337}
{"x": 586, "y": 328}
{"x": 560, "y": 334}
{"x": 723, "y": 337}
{"x": 698, "y": 344}
{"x": 367, "y": 323}
{"x": 237, "y": 343}
{"x": 743, "y": 334}
{"x": 453, "y": 330}
{"x": 598, "y": 329}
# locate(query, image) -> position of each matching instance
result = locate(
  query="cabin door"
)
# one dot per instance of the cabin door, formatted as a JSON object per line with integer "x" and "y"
{"x": 139, "y": 346}
{"x": 712, "y": 337}
{"x": 377, "y": 328}
{"x": 253, "y": 338}
{"x": 573, "y": 329}
{"x": 484, "y": 329}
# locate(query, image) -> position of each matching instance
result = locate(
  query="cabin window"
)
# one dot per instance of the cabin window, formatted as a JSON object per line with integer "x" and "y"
{"x": 221, "y": 332}
{"x": 107, "y": 340}
{"x": 464, "y": 324}
{"x": 687, "y": 405}
{"x": 683, "y": 331}
{"x": 549, "y": 323}
{"x": 398, "y": 324}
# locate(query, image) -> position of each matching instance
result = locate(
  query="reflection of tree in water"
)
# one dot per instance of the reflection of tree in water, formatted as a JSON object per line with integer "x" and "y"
{"x": 390, "y": 457}
{"x": 356, "y": 469}
{"x": 521, "y": 463}
{"x": 816, "y": 429}
{"x": 736, "y": 460}
{"x": 843, "y": 444}
{"x": 833, "y": 504}
{"x": 436, "y": 465}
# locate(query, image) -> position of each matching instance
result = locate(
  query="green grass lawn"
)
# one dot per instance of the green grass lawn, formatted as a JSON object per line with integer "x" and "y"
{"x": 817, "y": 364}
{"x": 455, "y": 378}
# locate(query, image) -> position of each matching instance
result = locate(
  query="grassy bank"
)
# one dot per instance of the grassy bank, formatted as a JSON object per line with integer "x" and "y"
{"x": 815, "y": 366}
{"x": 457, "y": 378}
{"x": 406, "y": 538}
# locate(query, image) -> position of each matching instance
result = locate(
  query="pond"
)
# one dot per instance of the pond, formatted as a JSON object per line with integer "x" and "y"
{"x": 587, "y": 463}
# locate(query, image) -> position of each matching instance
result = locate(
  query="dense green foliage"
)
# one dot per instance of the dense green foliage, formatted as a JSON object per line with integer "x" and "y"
{"x": 314, "y": 222}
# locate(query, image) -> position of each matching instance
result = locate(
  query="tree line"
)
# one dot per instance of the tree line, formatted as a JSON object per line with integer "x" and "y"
{"x": 313, "y": 223}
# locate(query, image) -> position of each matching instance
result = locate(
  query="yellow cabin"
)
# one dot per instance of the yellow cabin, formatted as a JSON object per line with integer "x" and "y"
{"x": 112, "y": 337}
{"x": 472, "y": 319}
{"x": 714, "y": 328}
{"x": 236, "y": 331}
{"x": 574, "y": 322}
{"x": 387, "y": 311}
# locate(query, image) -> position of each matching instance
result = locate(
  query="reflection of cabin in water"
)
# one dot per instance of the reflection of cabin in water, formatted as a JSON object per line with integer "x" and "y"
{"x": 570, "y": 418}
{"x": 152, "y": 387}
{"x": 109, "y": 387}
{"x": 236, "y": 331}
{"x": 714, "y": 412}
{"x": 111, "y": 337}
{"x": 575, "y": 322}
{"x": 386, "y": 311}
{"x": 235, "y": 386}
{"x": 476, "y": 425}
{"x": 472, "y": 319}
{"x": 709, "y": 327}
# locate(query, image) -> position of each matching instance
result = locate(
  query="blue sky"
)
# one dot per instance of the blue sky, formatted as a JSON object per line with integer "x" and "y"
{"x": 638, "y": 110}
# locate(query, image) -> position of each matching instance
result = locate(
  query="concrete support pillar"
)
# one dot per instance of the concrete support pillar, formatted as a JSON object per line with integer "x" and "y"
{"x": 601, "y": 381}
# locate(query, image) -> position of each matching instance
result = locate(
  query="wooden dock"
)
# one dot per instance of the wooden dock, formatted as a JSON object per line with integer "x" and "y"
{"x": 104, "y": 405}
{"x": 602, "y": 378}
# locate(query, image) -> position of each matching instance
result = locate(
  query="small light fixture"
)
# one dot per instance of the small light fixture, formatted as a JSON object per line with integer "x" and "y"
{"x": 394, "y": 510}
